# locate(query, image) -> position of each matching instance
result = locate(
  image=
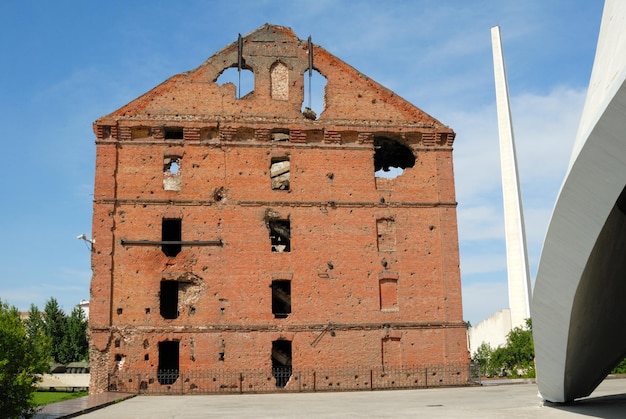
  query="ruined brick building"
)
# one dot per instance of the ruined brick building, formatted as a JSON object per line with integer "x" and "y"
{"x": 241, "y": 233}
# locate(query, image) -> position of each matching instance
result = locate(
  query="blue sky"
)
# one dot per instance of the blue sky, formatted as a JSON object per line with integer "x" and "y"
{"x": 66, "y": 63}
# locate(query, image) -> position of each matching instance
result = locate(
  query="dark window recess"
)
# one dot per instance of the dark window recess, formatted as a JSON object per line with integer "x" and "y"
{"x": 281, "y": 298}
{"x": 279, "y": 135}
{"x": 169, "y": 299}
{"x": 171, "y": 230}
{"x": 280, "y": 173}
{"x": 173, "y": 133}
{"x": 281, "y": 362}
{"x": 280, "y": 235}
{"x": 168, "y": 370}
{"x": 390, "y": 154}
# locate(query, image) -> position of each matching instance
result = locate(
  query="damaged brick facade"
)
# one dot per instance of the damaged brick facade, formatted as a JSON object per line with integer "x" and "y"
{"x": 241, "y": 234}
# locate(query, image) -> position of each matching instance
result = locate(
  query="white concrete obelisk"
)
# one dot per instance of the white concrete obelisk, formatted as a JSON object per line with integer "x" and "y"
{"x": 516, "y": 254}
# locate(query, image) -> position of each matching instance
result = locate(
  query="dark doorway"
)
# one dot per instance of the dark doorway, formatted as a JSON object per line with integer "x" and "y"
{"x": 169, "y": 299}
{"x": 168, "y": 370}
{"x": 171, "y": 231}
{"x": 281, "y": 362}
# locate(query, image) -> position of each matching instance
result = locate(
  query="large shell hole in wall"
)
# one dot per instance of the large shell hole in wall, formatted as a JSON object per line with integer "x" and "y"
{"x": 242, "y": 80}
{"x": 314, "y": 94}
{"x": 391, "y": 157}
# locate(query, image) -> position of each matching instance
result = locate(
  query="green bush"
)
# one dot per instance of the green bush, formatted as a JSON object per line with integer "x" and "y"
{"x": 23, "y": 356}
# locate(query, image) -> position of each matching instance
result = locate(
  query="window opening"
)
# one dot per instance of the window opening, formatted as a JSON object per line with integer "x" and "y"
{"x": 280, "y": 235}
{"x": 386, "y": 233}
{"x": 391, "y": 157}
{"x": 279, "y": 81}
{"x": 171, "y": 232}
{"x": 281, "y": 298}
{"x": 231, "y": 75}
{"x": 280, "y": 173}
{"x": 169, "y": 299}
{"x": 314, "y": 94}
{"x": 279, "y": 134}
{"x": 281, "y": 361}
{"x": 169, "y": 355}
{"x": 173, "y": 133}
{"x": 171, "y": 173}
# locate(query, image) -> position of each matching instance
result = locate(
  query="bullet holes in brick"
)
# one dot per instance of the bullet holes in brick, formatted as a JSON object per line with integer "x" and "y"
{"x": 219, "y": 194}
{"x": 171, "y": 231}
{"x": 386, "y": 234}
{"x": 120, "y": 311}
{"x": 280, "y": 173}
{"x": 147, "y": 310}
{"x": 391, "y": 157}
{"x": 222, "y": 353}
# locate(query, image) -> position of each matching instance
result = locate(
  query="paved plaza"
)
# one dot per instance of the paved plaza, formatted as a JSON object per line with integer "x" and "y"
{"x": 488, "y": 401}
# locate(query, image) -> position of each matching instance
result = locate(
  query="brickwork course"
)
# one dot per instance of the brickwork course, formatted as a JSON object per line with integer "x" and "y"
{"x": 251, "y": 234}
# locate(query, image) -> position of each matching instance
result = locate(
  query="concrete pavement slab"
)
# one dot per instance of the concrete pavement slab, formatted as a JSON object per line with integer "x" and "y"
{"x": 496, "y": 401}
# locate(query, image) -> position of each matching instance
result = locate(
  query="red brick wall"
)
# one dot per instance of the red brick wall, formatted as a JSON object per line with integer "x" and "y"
{"x": 333, "y": 204}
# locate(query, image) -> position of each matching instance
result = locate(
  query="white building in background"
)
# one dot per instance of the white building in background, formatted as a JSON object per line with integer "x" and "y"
{"x": 84, "y": 306}
{"x": 579, "y": 307}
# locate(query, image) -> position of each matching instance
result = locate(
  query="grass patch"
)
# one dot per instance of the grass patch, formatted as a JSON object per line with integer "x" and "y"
{"x": 41, "y": 398}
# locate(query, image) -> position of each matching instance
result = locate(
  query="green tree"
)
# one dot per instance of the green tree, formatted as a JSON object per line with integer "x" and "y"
{"x": 515, "y": 359}
{"x": 75, "y": 338}
{"x": 22, "y": 357}
{"x": 483, "y": 358}
{"x": 520, "y": 351}
{"x": 55, "y": 327}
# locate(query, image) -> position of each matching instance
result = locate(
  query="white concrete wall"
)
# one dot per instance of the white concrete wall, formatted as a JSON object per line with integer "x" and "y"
{"x": 64, "y": 380}
{"x": 493, "y": 330}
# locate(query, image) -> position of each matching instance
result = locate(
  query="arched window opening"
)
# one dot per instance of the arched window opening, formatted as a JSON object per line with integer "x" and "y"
{"x": 279, "y": 81}
{"x": 391, "y": 157}
{"x": 314, "y": 94}
{"x": 244, "y": 82}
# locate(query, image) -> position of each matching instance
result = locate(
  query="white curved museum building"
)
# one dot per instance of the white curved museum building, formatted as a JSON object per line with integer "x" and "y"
{"x": 579, "y": 300}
